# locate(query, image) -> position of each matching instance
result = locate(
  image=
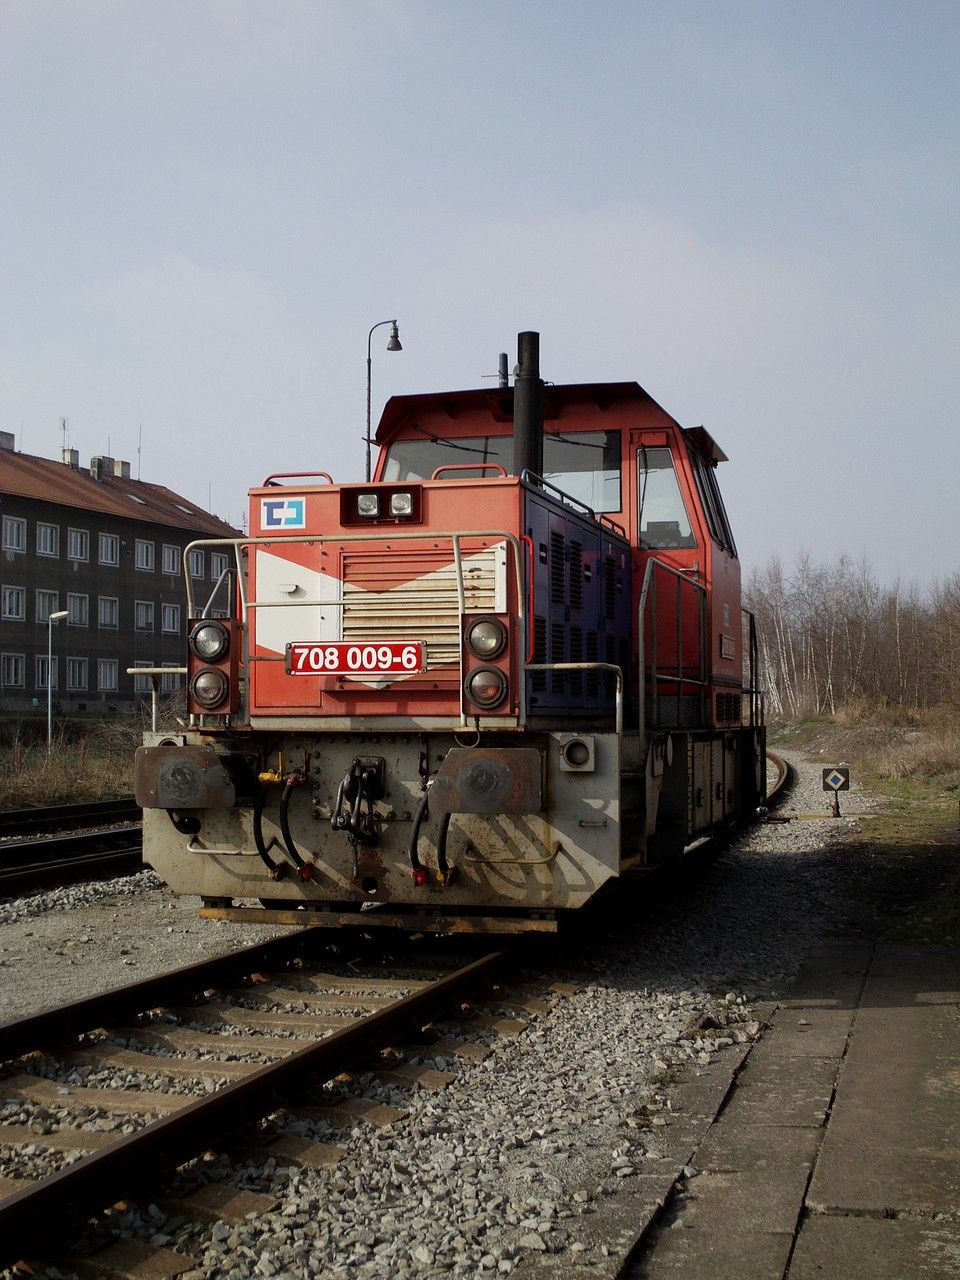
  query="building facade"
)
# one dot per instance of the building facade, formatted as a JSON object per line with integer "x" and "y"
{"x": 107, "y": 550}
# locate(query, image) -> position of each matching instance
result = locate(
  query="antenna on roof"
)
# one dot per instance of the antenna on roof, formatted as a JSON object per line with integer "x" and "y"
{"x": 139, "y": 447}
{"x": 63, "y": 428}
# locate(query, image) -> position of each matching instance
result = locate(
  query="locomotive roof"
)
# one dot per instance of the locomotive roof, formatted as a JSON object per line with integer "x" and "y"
{"x": 498, "y": 403}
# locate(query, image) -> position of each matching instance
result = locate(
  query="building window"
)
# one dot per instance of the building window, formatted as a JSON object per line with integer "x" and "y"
{"x": 171, "y": 559}
{"x": 143, "y": 615}
{"x": 218, "y": 564}
{"x": 142, "y": 684}
{"x": 14, "y": 603}
{"x": 48, "y": 539}
{"x": 76, "y": 673}
{"x": 41, "y": 672}
{"x": 170, "y": 683}
{"x": 219, "y": 613}
{"x": 196, "y": 564}
{"x": 12, "y": 670}
{"x": 170, "y": 617}
{"x": 145, "y": 555}
{"x": 78, "y": 544}
{"x": 107, "y": 673}
{"x": 47, "y": 602}
{"x": 79, "y": 608}
{"x": 108, "y": 612}
{"x": 14, "y": 534}
{"x": 109, "y": 548}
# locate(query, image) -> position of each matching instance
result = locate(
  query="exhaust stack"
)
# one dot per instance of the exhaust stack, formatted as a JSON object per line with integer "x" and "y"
{"x": 528, "y": 407}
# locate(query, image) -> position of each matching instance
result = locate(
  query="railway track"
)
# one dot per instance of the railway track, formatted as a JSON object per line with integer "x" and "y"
{"x": 39, "y": 820}
{"x": 27, "y": 865}
{"x": 273, "y": 1024}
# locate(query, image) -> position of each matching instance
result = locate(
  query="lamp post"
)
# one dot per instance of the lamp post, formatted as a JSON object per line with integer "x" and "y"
{"x": 392, "y": 345}
{"x": 53, "y": 617}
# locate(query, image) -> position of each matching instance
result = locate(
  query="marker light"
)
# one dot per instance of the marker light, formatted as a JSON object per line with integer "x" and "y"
{"x": 487, "y": 687}
{"x": 209, "y": 687}
{"x": 487, "y": 637}
{"x": 209, "y": 641}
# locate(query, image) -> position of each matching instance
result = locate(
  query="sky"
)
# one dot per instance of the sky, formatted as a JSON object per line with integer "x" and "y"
{"x": 749, "y": 208}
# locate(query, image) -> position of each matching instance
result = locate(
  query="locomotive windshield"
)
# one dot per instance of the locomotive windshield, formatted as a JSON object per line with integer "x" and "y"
{"x": 664, "y": 523}
{"x": 585, "y": 465}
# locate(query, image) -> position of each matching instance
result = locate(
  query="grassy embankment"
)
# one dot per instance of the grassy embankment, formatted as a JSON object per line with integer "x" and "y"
{"x": 912, "y": 845}
{"x": 93, "y": 761}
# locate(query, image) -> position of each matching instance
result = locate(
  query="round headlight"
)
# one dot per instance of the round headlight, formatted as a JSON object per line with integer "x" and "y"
{"x": 368, "y": 504}
{"x": 209, "y": 687}
{"x": 487, "y": 637}
{"x": 487, "y": 687}
{"x": 209, "y": 641}
{"x": 401, "y": 504}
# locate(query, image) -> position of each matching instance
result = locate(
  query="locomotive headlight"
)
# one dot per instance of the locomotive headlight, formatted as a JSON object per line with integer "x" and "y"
{"x": 486, "y": 687}
{"x": 487, "y": 637}
{"x": 209, "y": 687}
{"x": 401, "y": 504}
{"x": 368, "y": 504}
{"x": 209, "y": 641}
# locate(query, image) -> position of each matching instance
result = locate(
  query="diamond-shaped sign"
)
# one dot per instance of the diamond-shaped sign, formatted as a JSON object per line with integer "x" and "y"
{"x": 836, "y": 779}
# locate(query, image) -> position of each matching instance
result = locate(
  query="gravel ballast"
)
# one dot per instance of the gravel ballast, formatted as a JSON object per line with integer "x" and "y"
{"x": 506, "y": 1160}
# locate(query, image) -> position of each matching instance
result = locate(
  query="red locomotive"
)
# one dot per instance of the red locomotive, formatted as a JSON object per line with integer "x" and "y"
{"x": 466, "y": 694}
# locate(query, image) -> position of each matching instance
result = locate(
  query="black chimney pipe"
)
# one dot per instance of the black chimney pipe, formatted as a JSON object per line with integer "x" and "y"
{"x": 528, "y": 407}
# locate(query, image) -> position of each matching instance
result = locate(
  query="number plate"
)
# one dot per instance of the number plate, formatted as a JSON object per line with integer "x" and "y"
{"x": 373, "y": 658}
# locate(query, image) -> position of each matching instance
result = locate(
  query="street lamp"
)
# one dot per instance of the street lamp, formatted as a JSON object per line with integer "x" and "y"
{"x": 392, "y": 345}
{"x": 53, "y": 617}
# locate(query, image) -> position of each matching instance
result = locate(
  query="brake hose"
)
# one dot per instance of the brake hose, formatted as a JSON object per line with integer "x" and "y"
{"x": 422, "y": 810}
{"x": 277, "y": 869}
{"x": 292, "y": 781}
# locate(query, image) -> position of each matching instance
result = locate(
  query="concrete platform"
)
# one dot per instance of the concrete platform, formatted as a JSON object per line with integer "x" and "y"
{"x": 837, "y": 1152}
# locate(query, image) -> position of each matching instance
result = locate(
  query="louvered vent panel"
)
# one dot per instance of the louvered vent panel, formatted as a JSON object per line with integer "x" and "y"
{"x": 593, "y": 655}
{"x": 609, "y": 588}
{"x": 558, "y": 653}
{"x": 557, "y": 592}
{"x": 576, "y": 655}
{"x": 412, "y": 595}
{"x": 576, "y": 575}
{"x": 539, "y": 652}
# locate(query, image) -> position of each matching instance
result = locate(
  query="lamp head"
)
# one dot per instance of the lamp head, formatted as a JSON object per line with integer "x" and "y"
{"x": 394, "y": 343}
{"x": 58, "y": 617}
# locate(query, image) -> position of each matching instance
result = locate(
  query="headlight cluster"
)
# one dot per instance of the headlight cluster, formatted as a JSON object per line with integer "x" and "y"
{"x": 209, "y": 643}
{"x": 486, "y": 686}
{"x": 368, "y": 504}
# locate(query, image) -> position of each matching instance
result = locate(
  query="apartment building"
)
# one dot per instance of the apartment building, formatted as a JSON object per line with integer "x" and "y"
{"x": 107, "y": 550}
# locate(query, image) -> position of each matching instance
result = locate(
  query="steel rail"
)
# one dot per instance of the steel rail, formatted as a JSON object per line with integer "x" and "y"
{"x": 15, "y": 881}
{"x": 95, "y": 1181}
{"x": 64, "y": 817}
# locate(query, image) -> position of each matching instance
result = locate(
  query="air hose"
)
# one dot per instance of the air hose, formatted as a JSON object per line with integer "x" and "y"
{"x": 277, "y": 869}
{"x": 304, "y": 871}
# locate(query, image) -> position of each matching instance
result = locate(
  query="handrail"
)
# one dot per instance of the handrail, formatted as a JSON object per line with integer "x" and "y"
{"x": 533, "y": 481}
{"x": 469, "y": 466}
{"x": 277, "y": 476}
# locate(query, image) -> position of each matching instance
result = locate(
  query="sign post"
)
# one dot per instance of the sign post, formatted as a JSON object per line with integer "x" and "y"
{"x": 836, "y": 780}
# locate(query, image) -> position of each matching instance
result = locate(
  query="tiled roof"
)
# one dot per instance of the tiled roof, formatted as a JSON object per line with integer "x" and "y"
{"x": 57, "y": 482}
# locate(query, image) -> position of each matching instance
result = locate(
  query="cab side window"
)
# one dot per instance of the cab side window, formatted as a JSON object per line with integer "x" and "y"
{"x": 663, "y": 520}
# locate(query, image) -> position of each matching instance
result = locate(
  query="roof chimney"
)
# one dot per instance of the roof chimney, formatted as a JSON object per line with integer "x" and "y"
{"x": 71, "y": 457}
{"x": 528, "y": 407}
{"x": 121, "y": 469}
{"x": 8, "y": 441}
{"x": 101, "y": 466}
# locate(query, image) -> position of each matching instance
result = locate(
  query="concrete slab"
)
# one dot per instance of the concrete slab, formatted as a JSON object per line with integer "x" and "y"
{"x": 738, "y": 1255}
{"x": 809, "y": 1031}
{"x": 876, "y": 1249}
{"x": 734, "y": 1148}
{"x": 893, "y": 1142}
{"x": 766, "y": 1199}
{"x": 776, "y": 1090}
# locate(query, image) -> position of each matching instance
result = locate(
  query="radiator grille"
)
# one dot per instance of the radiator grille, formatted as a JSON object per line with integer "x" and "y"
{"x": 412, "y": 595}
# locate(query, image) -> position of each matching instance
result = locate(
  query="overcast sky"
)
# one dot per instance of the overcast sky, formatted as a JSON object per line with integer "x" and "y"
{"x": 749, "y": 208}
